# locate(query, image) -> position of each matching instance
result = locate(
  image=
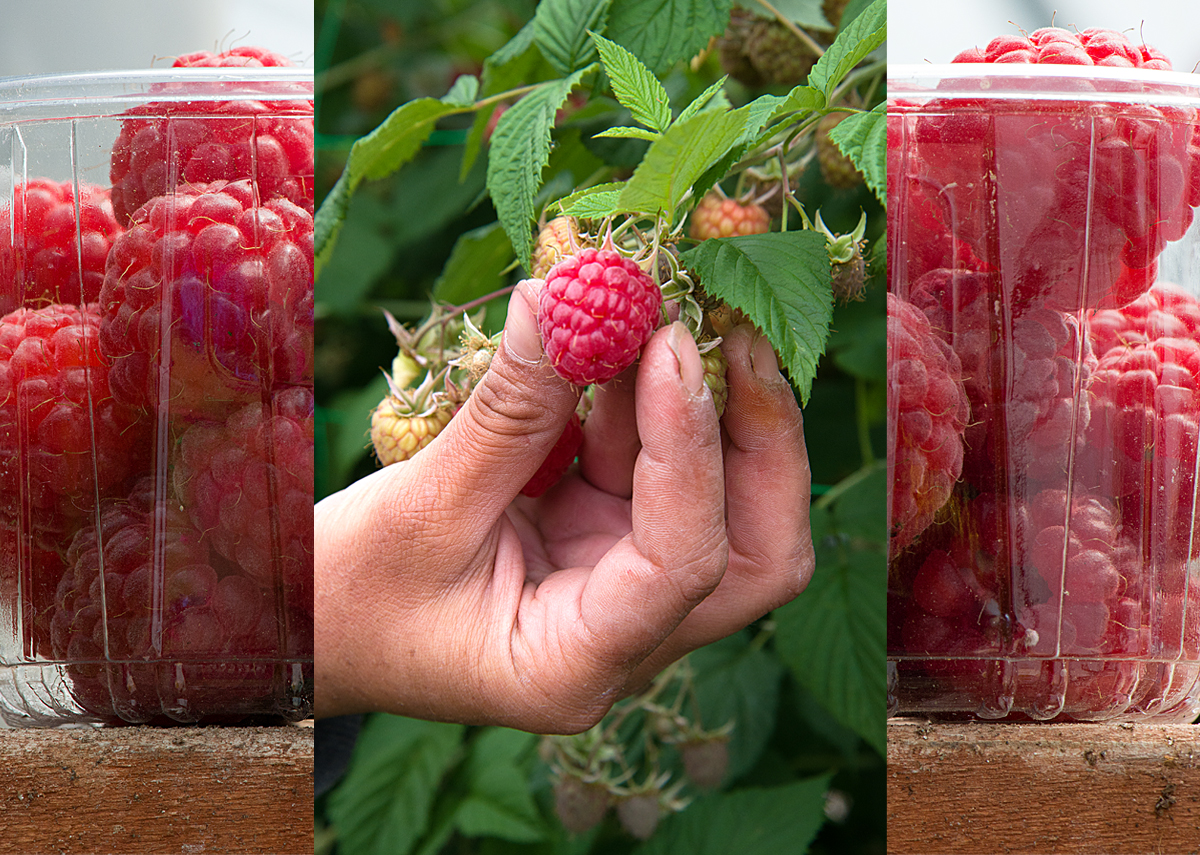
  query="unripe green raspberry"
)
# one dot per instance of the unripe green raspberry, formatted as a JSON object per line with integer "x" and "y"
{"x": 555, "y": 241}
{"x": 397, "y": 437}
{"x": 715, "y": 367}
{"x": 778, "y": 54}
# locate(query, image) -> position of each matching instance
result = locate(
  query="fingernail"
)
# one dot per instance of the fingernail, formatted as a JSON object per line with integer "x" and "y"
{"x": 691, "y": 370}
{"x": 763, "y": 359}
{"x": 521, "y": 337}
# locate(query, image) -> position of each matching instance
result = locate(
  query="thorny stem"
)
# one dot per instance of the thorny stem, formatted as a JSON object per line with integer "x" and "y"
{"x": 791, "y": 25}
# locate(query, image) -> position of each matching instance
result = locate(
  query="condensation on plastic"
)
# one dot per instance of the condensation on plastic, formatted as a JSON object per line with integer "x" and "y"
{"x": 1023, "y": 202}
{"x": 62, "y": 128}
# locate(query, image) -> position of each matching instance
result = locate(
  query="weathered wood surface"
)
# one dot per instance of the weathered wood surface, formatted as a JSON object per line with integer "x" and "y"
{"x": 1083, "y": 788}
{"x": 157, "y": 790}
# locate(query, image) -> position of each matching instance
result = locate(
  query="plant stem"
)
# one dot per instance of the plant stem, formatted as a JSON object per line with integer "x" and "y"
{"x": 849, "y": 482}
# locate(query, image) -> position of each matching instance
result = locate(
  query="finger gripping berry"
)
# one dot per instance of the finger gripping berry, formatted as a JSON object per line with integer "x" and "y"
{"x": 596, "y": 312}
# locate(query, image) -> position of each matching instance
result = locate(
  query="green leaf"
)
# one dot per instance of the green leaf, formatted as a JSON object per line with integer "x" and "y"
{"x": 833, "y": 636}
{"x": 475, "y": 265}
{"x": 676, "y": 160}
{"x": 520, "y": 150}
{"x": 862, "y": 137}
{"x": 499, "y": 802}
{"x": 382, "y": 806}
{"x": 508, "y": 67}
{"x": 738, "y": 682}
{"x": 376, "y": 155}
{"x": 781, "y": 280}
{"x": 662, "y": 32}
{"x": 560, "y": 28}
{"x": 802, "y": 99}
{"x": 774, "y": 819}
{"x": 361, "y": 255}
{"x": 634, "y": 85}
{"x": 704, "y": 98}
{"x": 852, "y": 45}
{"x": 463, "y": 92}
{"x": 628, "y": 133}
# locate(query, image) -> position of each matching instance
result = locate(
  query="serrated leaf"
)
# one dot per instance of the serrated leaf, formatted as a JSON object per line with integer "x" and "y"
{"x": 628, "y": 133}
{"x": 865, "y": 33}
{"x": 740, "y": 683}
{"x": 597, "y": 206}
{"x": 475, "y": 265}
{"x": 782, "y": 282}
{"x": 463, "y": 92}
{"x": 374, "y": 156}
{"x": 633, "y": 84}
{"x": 862, "y": 137}
{"x": 662, "y": 32}
{"x": 382, "y": 806}
{"x": 498, "y": 801}
{"x": 713, "y": 94}
{"x": 833, "y": 636}
{"x": 802, "y": 99}
{"x": 506, "y": 68}
{"x": 520, "y": 150}
{"x": 760, "y": 820}
{"x": 676, "y": 160}
{"x": 560, "y": 28}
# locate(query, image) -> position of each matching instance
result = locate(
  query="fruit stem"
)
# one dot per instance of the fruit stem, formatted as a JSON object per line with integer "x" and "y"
{"x": 791, "y": 25}
{"x": 848, "y": 483}
{"x": 864, "y": 426}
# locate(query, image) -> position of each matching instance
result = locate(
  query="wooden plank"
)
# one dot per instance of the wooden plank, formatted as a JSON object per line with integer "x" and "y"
{"x": 1042, "y": 788}
{"x": 157, "y": 790}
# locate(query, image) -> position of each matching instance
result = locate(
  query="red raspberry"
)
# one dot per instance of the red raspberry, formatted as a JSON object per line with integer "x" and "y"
{"x": 1165, "y": 311}
{"x": 246, "y": 56}
{"x": 63, "y": 437}
{"x": 596, "y": 311}
{"x": 47, "y": 254}
{"x": 167, "y": 143}
{"x": 168, "y": 630}
{"x": 1027, "y": 407}
{"x": 718, "y": 217}
{"x": 226, "y": 284}
{"x": 558, "y": 461}
{"x": 925, "y": 427}
{"x": 247, "y": 484}
{"x": 1052, "y": 172}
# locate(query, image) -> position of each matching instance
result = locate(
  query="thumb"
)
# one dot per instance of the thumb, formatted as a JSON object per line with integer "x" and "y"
{"x": 500, "y": 437}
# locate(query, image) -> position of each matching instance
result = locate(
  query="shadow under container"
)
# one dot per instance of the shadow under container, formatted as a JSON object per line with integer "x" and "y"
{"x": 1044, "y": 393}
{"x": 156, "y": 400}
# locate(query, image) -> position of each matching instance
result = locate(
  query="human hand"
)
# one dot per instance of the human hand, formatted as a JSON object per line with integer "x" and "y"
{"x": 441, "y": 593}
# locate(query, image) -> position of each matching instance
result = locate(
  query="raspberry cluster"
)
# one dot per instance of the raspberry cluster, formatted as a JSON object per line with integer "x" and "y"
{"x": 1058, "y": 581}
{"x": 719, "y": 217}
{"x": 156, "y": 412}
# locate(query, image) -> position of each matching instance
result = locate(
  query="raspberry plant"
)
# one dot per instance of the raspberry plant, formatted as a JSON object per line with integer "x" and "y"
{"x": 591, "y": 127}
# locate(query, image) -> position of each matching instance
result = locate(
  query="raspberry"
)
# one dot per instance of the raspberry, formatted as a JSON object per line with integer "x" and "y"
{"x": 718, "y": 217}
{"x": 596, "y": 311}
{"x": 1026, "y": 403}
{"x": 169, "y": 629}
{"x": 1141, "y": 445}
{"x": 226, "y": 283}
{"x": 1050, "y": 173}
{"x": 47, "y": 254}
{"x": 63, "y": 437}
{"x": 247, "y": 485}
{"x": 397, "y": 437}
{"x": 1165, "y": 311}
{"x": 778, "y": 54}
{"x": 580, "y": 806}
{"x": 925, "y": 427}
{"x": 732, "y": 48}
{"x": 837, "y": 169}
{"x": 833, "y": 10}
{"x": 560, "y": 458}
{"x": 246, "y": 56}
{"x": 556, "y": 240}
{"x": 167, "y": 143}
{"x": 706, "y": 761}
{"x": 639, "y": 814}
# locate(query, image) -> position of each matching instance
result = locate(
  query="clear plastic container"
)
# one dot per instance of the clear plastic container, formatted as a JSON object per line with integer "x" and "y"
{"x": 1044, "y": 397}
{"x": 156, "y": 400}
